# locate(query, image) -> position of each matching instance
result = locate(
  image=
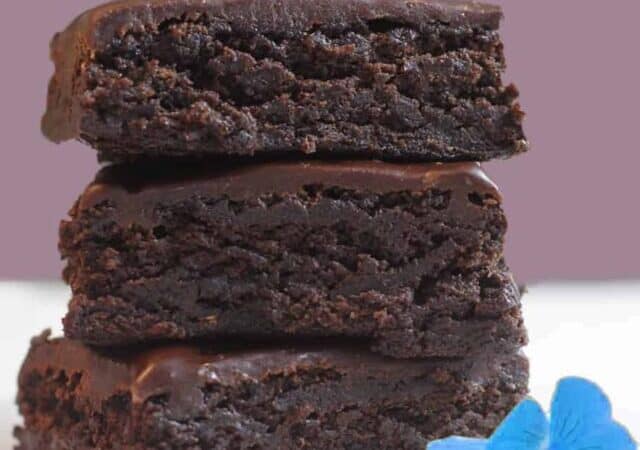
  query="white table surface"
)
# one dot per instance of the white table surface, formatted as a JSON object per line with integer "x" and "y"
{"x": 586, "y": 329}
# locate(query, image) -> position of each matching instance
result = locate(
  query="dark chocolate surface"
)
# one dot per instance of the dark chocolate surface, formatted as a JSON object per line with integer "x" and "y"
{"x": 180, "y": 370}
{"x": 283, "y": 397}
{"x": 133, "y": 191}
{"x": 117, "y": 18}
{"x": 373, "y": 79}
{"x": 407, "y": 257}
{"x": 97, "y": 27}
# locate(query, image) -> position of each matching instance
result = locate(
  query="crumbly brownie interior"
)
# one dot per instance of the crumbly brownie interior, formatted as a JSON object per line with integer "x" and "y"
{"x": 380, "y": 88}
{"x": 318, "y": 261}
{"x": 309, "y": 403}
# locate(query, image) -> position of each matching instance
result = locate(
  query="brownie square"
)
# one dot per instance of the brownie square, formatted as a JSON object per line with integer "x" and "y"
{"x": 405, "y": 256}
{"x": 311, "y": 396}
{"x": 409, "y": 80}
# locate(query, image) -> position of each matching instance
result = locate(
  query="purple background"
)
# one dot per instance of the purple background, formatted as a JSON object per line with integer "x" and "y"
{"x": 573, "y": 201}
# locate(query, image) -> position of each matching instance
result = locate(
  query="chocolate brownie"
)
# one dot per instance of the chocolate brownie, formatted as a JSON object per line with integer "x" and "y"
{"x": 306, "y": 396}
{"x": 390, "y": 79}
{"x": 407, "y": 256}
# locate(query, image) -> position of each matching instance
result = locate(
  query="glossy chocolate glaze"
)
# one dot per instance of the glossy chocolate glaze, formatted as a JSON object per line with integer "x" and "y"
{"x": 134, "y": 193}
{"x": 100, "y": 25}
{"x": 180, "y": 372}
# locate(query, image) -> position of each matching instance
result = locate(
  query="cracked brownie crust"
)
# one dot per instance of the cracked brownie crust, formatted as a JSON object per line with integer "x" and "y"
{"x": 292, "y": 397}
{"x": 391, "y": 80}
{"x": 405, "y": 256}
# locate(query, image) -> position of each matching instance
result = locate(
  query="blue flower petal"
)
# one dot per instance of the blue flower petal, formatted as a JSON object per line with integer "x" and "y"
{"x": 578, "y": 405}
{"x": 526, "y": 428}
{"x": 581, "y": 419}
{"x": 611, "y": 436}
{"x": 458, "y": 443}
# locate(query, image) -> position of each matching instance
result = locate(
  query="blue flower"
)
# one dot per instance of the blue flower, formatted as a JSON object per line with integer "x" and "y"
{"x": 580, "y": 420}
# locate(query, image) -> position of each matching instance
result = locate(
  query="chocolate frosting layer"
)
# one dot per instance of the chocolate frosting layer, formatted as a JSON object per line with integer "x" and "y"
{"x": 179, "y": 373}
{"x": 98, "y": 26}
{"x": 134, "y": 192}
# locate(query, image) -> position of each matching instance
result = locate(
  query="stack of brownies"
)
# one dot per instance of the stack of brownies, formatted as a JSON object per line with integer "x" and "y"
{"x": 294, "y": 246}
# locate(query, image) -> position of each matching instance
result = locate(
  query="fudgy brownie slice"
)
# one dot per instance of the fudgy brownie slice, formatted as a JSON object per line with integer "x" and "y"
{"x": 403, "y": 79}
{"x": 284, "y": 397}
{"x": 407, "y": 256}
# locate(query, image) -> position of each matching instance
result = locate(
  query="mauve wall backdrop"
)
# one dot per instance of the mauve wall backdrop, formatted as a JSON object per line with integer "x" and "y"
{"x": 573, "y": 201}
